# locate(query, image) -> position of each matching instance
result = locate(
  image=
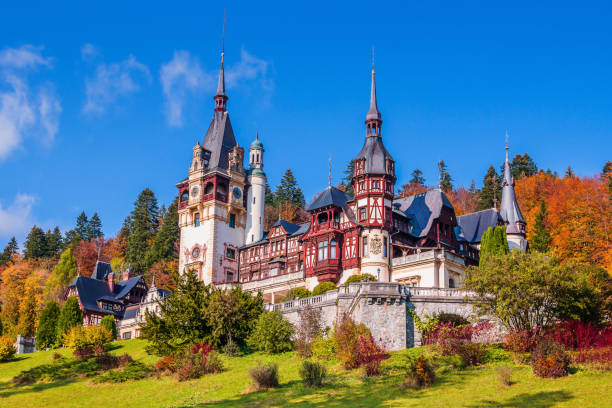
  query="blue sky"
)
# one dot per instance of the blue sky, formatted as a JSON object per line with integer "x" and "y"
{"x": 99, "y": 102}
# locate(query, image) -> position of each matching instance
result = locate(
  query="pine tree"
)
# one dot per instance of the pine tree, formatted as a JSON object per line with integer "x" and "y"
{"x": 94, "y": 227}
{"x": 269, "y": 196}
{"x": 607, "y": 172}
{"x": 143, "y": 226}
{"x": 417, "y": 177}
{"x": 10, "y": 250}
{"x": 81, "y": 227}
{"x": 36, "y": 244}
{"x": 541, "y": 238}
{"x": 165, "y": 244}
{"x": 490, "y": 194}
{"x": 288, "y": 191}
{"x": 569, "y": 172}
{"x": 523, "y": 166}
{"x": 347, "y": 180}
{"x": 54, "y": 243}
{"x": 445, "y": 178}
{"x": 70, "y": 316}
{"x": 46, "y": 334}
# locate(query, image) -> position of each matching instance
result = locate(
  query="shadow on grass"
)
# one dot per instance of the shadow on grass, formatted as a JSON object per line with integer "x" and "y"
{"x": 543, "y": 399}
{"x": 38, "y": 387}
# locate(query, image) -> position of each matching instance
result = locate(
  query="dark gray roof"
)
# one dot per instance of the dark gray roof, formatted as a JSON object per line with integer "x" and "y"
{"x": 375, "y": 155}
{"x": 422, "y": 209}
{"x": 302, "y": 230}
{"x": 475, "y": 224}
{"x": 289, "y": 227}
{"x": 110, "y": 299}
{"x": 373, "y": 113}
{"x": 101, "y": 270}
{"x": 91, "y": 290}
{"x": 509, "y": 208}
{"x": 219, "y": 140}
{"x": 329, "y": 196}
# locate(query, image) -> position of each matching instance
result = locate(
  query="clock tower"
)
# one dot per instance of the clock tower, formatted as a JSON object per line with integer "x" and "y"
{"x": 212, "y": 203}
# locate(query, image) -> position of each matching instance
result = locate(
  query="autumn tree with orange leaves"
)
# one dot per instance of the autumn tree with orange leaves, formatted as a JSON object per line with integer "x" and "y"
{"x": 579, "y": 215}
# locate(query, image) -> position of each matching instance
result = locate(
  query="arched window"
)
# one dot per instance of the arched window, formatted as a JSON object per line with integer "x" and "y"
{"x": 209, "y": 188}
{"x": 332, "y": 249}
{"x": 184, "y": 196}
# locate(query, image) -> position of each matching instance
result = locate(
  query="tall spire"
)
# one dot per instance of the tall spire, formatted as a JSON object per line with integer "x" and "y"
{"x": 220, "y": 96}
{"x": 373, "y": 113}
{"x": 509, "y": 209}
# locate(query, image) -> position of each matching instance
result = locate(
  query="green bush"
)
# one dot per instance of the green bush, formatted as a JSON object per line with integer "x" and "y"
{"x": 324, "y": 348}
{"x": 264, "y": 376}
{"x": 365, "y": 277}
{"x": 272, "y": 333}
{"x": 108, "y": 321}
{"x": 7, "y": 350}
{"x": 312, "y": 374}
{"x": 46, "y": 334}
{"x": 70, "y": 316}
{"x": 297, "y": 293}
{"x": 323, "y": 287}
{"x": 132, "y": 371}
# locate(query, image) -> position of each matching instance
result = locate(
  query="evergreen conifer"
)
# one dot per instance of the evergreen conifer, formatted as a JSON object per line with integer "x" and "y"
{"x": 10, "y": 250}
{"x": 36, "y": 244}
{"x": 490, "y": 194}
{"x": 81, "y": 227}
{"x": 143, "y": 226}
{"x": 70, "y": 316}
{"x": 94, "y": 227}
{"x": 46, "y": 334}
{"x": 541, "y": 236}
{"x": 417, "y": 177}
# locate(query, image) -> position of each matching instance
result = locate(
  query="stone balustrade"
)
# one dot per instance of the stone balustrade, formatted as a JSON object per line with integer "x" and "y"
{"x": 426, "y": 255}
{"x": 273, "y": 281}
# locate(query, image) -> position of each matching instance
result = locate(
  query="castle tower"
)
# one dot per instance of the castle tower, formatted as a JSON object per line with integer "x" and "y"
{"x": 373, "y": 184}
{"x": 256, "y": 195}
{"x": 212, "y": 206}
{"x": 510, "y": 211}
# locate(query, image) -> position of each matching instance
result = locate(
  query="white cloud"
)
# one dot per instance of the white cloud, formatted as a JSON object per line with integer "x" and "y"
{"x": 88, "y": 52}
{"x": 183, "y": 77}
{"x": 16, "y": 219}
{"x": 27, "y": 56}
{"x": 24, "y": 112}
{"x": 112, "y": 81}
{"x": 180, "y": 77}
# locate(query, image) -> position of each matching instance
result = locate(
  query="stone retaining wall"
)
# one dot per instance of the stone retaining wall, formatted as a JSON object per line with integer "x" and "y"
{"x": 383, "y": 308}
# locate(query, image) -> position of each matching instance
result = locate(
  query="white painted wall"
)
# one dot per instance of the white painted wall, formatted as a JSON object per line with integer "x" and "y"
{"x": 255, "y": 208}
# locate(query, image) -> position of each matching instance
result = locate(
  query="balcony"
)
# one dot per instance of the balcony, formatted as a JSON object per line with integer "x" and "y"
{"x": 427, "y": 255}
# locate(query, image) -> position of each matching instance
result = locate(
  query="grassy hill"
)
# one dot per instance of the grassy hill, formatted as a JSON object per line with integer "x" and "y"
{"x": 476, "y": 387}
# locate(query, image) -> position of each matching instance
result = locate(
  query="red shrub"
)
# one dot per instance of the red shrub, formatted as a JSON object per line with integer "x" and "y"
{"x": 472, "y": 353}
{"x": 369, "y": 355}
{"x": 576, "y": 335}
{"x": 521, "y": 341}
{"x": 203, "y": 348}
{"x": 598, "y": 358}
{"x": 549, "y": 359}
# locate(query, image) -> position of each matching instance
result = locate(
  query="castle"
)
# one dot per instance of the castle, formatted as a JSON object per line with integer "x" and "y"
{"x": 417, "y": 241}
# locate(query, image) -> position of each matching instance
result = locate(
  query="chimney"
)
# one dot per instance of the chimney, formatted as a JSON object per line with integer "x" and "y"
{"x": 126, "y": 274}
{"x": 111, "y": 281}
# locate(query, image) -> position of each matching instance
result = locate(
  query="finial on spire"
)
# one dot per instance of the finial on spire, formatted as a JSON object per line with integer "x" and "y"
{"x": 507, "y": 145}
{"x": 330, "y": 167}
{"x": 372, "y": 58}
{"x": 221, "y": 85}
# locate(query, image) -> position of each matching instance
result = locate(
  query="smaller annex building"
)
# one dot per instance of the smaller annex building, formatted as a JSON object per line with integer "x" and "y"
{"x": 126, "y": 299}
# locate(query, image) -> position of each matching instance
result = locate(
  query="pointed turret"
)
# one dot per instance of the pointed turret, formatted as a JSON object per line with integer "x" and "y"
{"x": 509, "y": 209}
{"x": 220, "y": 96}
{"x": 373, "y": 113}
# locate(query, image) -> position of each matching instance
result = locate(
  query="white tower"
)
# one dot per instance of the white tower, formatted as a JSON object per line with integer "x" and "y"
{"x": 256, "y": 194}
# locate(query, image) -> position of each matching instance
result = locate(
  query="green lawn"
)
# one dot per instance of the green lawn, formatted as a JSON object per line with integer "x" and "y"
{"x": 477, "y": 387}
